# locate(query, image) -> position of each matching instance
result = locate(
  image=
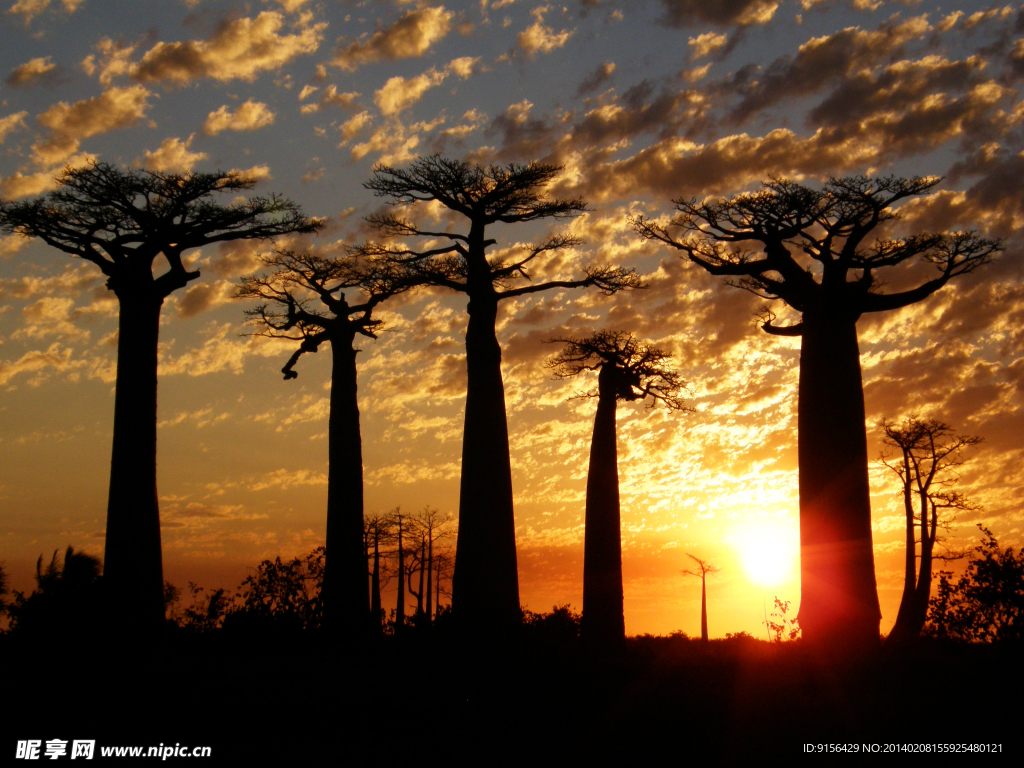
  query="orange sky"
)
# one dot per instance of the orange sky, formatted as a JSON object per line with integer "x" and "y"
{"x": 311, "y": 94}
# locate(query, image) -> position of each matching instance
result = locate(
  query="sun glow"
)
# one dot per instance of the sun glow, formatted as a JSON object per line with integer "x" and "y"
{"x": 768, "y": 550}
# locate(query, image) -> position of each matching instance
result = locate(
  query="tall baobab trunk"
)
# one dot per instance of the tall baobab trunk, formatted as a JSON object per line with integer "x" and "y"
{"x": 602, "y": 627}
{"x": 485, "y": 589}
{"x": 344, "y": 592}
{"x": 839, "y": 600}
{"x": 400, "y": 604}
{"x": 133, "y": 566}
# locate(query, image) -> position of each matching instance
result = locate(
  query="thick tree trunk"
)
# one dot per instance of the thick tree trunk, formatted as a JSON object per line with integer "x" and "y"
{"x": 344, "y": 592}
{"x": 839, "y": 599}
{"x": 602, "y": 628}
{"x": 703, "y": 607}
{"x": 132, "y": 564}
{"x": 485, "y": 589}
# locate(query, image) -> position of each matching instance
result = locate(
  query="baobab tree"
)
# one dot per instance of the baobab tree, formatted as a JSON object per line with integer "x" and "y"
{"x": 122, "y": 221}
{"x": 485, "y": 593}
{"x": 701, "y": 569}
{"x": 630, "y": 371}
{"x": 925, "y": 455}
{"x": 304, "y": 299}
{"x": 816, "y": 257}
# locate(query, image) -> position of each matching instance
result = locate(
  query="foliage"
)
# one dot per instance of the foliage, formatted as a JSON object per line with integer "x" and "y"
{"x": 67, "y": 596}
{"x": 560, "y": 628}
{"x": 780, "y": 625}
{"x": 641, "y": 368}
{"x": 986, "y": 604}
{"x": 281, "y": 596}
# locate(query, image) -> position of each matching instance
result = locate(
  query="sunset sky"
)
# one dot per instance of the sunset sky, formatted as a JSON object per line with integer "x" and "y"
{"x": 640, "y": 102}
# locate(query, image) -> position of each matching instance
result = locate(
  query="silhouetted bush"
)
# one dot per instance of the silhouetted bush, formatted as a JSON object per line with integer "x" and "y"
{"x": 986, "y": 604}
{"x": 67, "y": 598}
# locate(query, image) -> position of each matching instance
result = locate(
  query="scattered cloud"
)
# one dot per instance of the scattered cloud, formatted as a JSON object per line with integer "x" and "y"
{"x": 705, "y": 44}
{"x": 11, "y": 123}
{"x": 173, "y": 156}
{"x": 329, "y": 98}
{"x": 241, "y": 49}
{"x": 400, "y": 93}
{"x": 70, "y": 123}
{"x": 539, "y": 38}
{"x": 248, "y": 116}
{"x": 32, "y": 72}
{"x": 409, "y": 37}
{"x": 724, "y": 13}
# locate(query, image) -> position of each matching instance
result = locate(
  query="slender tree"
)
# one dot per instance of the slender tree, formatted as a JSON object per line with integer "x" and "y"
{"x": 701, "y": 569}
{"x": 433, "y": 527}
{"x": 121, "y": 221}
{"x": 926, "y": 455}
{"x": 631, "y": 371}
{"x": 486, "y": 584}
{"x": 815, "y": 256}
{"x": 304, "y": 299}
{"x": 377, "y": 536}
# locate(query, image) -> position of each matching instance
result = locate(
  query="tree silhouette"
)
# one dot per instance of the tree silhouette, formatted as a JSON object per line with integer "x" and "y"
{"x": 304, "y": 299}
{"x": 377, "y": 536}
{"x": 122, "y": 221}
{"x": 701, "y": 569}
{"x": 817, "y": 259}
{"x": 986, "y": 604}
{"x": 628, "y": 370}
{"x": 432, "y": 526}
{"x": 282, "y": 596}
{"x": 485, "y": 593}
{"x": 928, "y": 455}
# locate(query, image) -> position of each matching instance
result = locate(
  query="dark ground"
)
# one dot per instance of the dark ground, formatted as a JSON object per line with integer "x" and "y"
{"x": 286, "y": 699}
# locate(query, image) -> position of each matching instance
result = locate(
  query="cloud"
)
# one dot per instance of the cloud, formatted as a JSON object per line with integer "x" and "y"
{"x": 409, "y": 37}
{"x": 537, "y": 37}
{"x": 19, "y": 185}
{"x": 290, "y": 6}
{"x": 173, "y": 156}
{"x": 56, "y": 357}
{"x": 11, "y": 123}
{"x": 249, "y": 116}
{"x": 202, "y": 297}
{"x": 329, "y": 98}
{"x": 29, "y": 9}
{"x": 115, "y": 60}
{"x": 50, "y": 316}
{"x": 70, "y": 123}
{"x": 237, "y": 50}
{"x": 400, "y": 93}
{"x": 675, "y": 167}
{"x": 354, "y": 126}
{"x": 705, "y": 44}
{"x": 32, "y": 72}
{"x": 596, "y": 79}
{"x": 823, "y": 60}
{"x": 741, "y": 13}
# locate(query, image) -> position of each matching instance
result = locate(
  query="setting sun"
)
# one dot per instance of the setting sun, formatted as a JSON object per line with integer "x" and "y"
{"x": 769, "y": 551}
